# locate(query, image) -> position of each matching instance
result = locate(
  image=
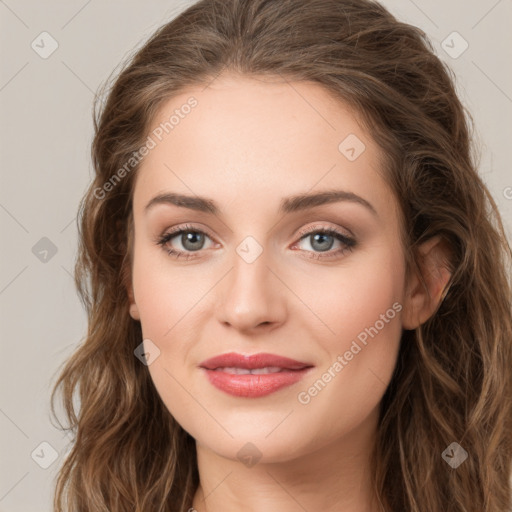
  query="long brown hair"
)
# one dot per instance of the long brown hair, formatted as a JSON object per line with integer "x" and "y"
{"x": 453, "y": 379}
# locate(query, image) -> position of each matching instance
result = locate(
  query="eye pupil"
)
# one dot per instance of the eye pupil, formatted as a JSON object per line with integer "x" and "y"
{"x": 321, "y": 237}
{"x": 192, "y": 237}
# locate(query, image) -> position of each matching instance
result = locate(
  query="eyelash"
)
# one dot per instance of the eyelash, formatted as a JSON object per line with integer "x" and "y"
{"x": 349, "y": 243}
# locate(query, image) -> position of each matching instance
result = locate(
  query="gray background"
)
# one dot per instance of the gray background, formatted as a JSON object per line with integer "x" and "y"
{"x": 46, "y": 132}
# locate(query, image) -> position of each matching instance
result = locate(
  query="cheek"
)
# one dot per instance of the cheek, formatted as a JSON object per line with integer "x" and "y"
{"x": 361, "y": 306}
{"x": 168, "y": 299}
{"x": 361, "y": 303}
{"x": 165, "y": 293}
{"x": 360, "y": 300}
{"x": 346, "y": 300}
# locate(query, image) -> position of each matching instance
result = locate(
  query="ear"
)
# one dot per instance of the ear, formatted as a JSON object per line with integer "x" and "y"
{"x": 134, "y": 310}
{"x": 128, "y": 286}
{"x": 427, "y": 286}
{"x": 127, "y": 281}
{"x": 126, "y": 272}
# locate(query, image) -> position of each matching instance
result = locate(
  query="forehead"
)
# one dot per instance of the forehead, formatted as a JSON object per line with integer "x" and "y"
{"x": 248, "y": 139}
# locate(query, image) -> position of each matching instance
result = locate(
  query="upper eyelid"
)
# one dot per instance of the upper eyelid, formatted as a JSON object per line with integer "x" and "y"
{"x": 318, "y": 227}
{"x": 176, "y": 231}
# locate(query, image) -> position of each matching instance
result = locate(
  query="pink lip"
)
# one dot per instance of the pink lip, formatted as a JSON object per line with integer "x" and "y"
{"x": 253, "y": 385}
{"x": 251, "y": 362}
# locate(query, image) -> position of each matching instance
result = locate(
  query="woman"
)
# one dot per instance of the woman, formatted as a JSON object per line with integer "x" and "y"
{"x": 234, "y": 363}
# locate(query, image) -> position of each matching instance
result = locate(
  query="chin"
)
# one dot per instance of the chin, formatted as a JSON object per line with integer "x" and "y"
{"x": 266, "y": 442}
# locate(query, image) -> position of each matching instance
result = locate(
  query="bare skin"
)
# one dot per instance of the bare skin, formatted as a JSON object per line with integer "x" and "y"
{"x": 248, "y": 144}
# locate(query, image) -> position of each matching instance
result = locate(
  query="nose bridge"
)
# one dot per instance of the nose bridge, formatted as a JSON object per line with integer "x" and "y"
{"x": 250, "y": 295}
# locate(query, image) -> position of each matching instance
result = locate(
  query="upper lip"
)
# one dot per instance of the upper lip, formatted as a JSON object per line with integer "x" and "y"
{"x": 253, "y": 361}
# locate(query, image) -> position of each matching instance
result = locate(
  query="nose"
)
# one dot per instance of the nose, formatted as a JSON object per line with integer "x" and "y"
{"x": 252, "y": 299}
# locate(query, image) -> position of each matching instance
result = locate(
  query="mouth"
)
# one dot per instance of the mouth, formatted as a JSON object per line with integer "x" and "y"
{"x": 256, "y": 371}
{"x": 253, "y": 376}
{"x": 260, "y": 361}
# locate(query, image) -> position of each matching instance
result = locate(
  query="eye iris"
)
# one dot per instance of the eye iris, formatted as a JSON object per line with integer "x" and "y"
{"x": 191, "y": 237}
{"x": 321, "y": 237}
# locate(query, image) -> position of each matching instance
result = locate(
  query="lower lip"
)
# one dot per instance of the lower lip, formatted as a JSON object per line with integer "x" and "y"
{"x": 253, "y": 386}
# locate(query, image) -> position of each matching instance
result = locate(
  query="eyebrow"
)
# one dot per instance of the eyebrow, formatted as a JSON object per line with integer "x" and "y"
{"x": 288, "y": 205}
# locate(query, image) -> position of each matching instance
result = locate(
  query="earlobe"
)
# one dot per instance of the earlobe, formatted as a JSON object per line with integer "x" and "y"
{"x": 424, "y": 296}
{"x": 134, "y": 311}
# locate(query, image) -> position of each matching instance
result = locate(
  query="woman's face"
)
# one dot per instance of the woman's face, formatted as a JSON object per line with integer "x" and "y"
{"x": 256, "y": 275}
